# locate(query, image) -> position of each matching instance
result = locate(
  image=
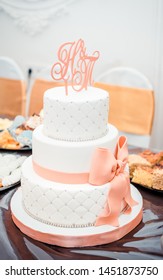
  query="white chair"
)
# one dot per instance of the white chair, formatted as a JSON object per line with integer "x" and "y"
{"x": 10, "y": 69}
{"x": 126, "y": 81}
{"x": 125, "y": 76}
{"x": 12, "y": 88}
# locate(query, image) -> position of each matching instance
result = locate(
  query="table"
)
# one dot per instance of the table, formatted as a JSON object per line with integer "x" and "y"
{"x": 143, "y": 243}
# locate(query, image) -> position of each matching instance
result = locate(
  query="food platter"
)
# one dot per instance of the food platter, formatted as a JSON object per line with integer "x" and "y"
{"x": 146, "y": 170}
{"x": 18, "y": 136}
{"x": 5, "y": 123}
{"x": 148, "y": 188}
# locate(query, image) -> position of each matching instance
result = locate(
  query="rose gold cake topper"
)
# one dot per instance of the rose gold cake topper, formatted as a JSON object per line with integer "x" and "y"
{"x": 74, "y": 66}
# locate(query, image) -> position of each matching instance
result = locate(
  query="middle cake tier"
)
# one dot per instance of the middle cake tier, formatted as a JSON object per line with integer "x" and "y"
{"x": 67, "y": 162}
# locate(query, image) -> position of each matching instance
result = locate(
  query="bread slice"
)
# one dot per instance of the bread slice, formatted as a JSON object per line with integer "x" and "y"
{"x": 158, "y": 177}
{"x": 136, "y": 160}
{"x": 142, "y": 175}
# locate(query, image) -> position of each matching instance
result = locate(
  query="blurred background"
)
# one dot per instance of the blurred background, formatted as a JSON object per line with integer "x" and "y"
{"x": 126, "y": 32}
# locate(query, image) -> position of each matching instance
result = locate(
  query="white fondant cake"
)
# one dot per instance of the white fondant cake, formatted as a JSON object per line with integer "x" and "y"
{"x": 78, "y": 116}
{"x": 75, "y": 188}
{"x": 55, "y": 179}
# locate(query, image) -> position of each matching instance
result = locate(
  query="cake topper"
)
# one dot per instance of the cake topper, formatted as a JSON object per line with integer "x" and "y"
{"x": 74, "y": 65}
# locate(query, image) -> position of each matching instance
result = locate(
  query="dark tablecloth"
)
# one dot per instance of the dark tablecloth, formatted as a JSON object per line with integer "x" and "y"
{"x": 144, "y": 242}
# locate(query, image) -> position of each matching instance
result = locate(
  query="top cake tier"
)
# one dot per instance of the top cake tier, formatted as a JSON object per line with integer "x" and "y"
{"x": 78, "y": 116}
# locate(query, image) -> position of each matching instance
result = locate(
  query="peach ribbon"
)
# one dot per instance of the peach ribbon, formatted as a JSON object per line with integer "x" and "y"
{"x": 81, "y": 240}
{"x": 107, "y": 167}
{"x": 60, "y": 177}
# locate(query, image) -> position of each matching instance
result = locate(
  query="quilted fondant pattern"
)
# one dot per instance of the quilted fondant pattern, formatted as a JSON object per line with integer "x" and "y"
{"x": 60, "y": 206}
{"x": 76, "y": 121}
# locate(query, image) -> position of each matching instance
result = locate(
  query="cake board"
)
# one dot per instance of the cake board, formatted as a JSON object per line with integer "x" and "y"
{"x": 75, "y": 237}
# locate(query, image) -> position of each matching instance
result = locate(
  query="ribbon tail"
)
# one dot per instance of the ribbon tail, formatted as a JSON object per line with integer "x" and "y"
{"x": 111, "y": 220}
{"x": 114, "y": 201}
{"x": 108, "y": 217}
{"x": 113, "y": 171}
{"x": 119, "y": 190}
{"x": 128, "y": 198}
{"x": 127, "y": 211}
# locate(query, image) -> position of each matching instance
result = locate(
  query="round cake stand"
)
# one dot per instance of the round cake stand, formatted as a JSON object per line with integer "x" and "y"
{"x": 75, "y": 237}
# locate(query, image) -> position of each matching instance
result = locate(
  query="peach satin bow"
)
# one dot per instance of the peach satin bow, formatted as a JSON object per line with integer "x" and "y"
{"x": 105, "y": 168}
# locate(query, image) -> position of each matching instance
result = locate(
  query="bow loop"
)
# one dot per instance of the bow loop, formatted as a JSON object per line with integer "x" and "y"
{"x": 121, "y": 149}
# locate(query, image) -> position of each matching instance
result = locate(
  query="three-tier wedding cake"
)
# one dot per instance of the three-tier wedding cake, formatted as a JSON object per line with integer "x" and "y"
{"x": 75, "y": 188}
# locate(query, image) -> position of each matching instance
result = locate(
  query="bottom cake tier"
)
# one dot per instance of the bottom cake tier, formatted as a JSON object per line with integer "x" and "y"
{"x": 75, "y": 237}
{"x": 62, "y": 205}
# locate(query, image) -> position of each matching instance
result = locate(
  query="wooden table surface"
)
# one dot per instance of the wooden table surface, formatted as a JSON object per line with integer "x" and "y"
{"x": 143, "y": 243}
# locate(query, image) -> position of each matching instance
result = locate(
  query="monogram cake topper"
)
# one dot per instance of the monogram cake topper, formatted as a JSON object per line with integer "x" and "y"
{"x": 74, "y": 65}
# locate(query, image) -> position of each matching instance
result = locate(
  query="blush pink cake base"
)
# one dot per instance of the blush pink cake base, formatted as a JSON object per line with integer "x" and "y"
{"x": 75, "y": 237}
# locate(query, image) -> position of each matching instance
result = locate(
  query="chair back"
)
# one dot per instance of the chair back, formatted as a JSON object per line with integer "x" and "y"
{"x": 37, "y": 93}
{"x": 131, "y": 103}
{"x": 12, "y": 88}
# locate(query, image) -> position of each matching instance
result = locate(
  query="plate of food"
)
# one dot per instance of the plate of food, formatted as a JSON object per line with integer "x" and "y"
{"x": 18, "y": 136}
{"x": 146, "y": 169}
{"x": 8, "y": 142}
{"x": 5, "y": 123}
{"x": 10, "y": 170}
